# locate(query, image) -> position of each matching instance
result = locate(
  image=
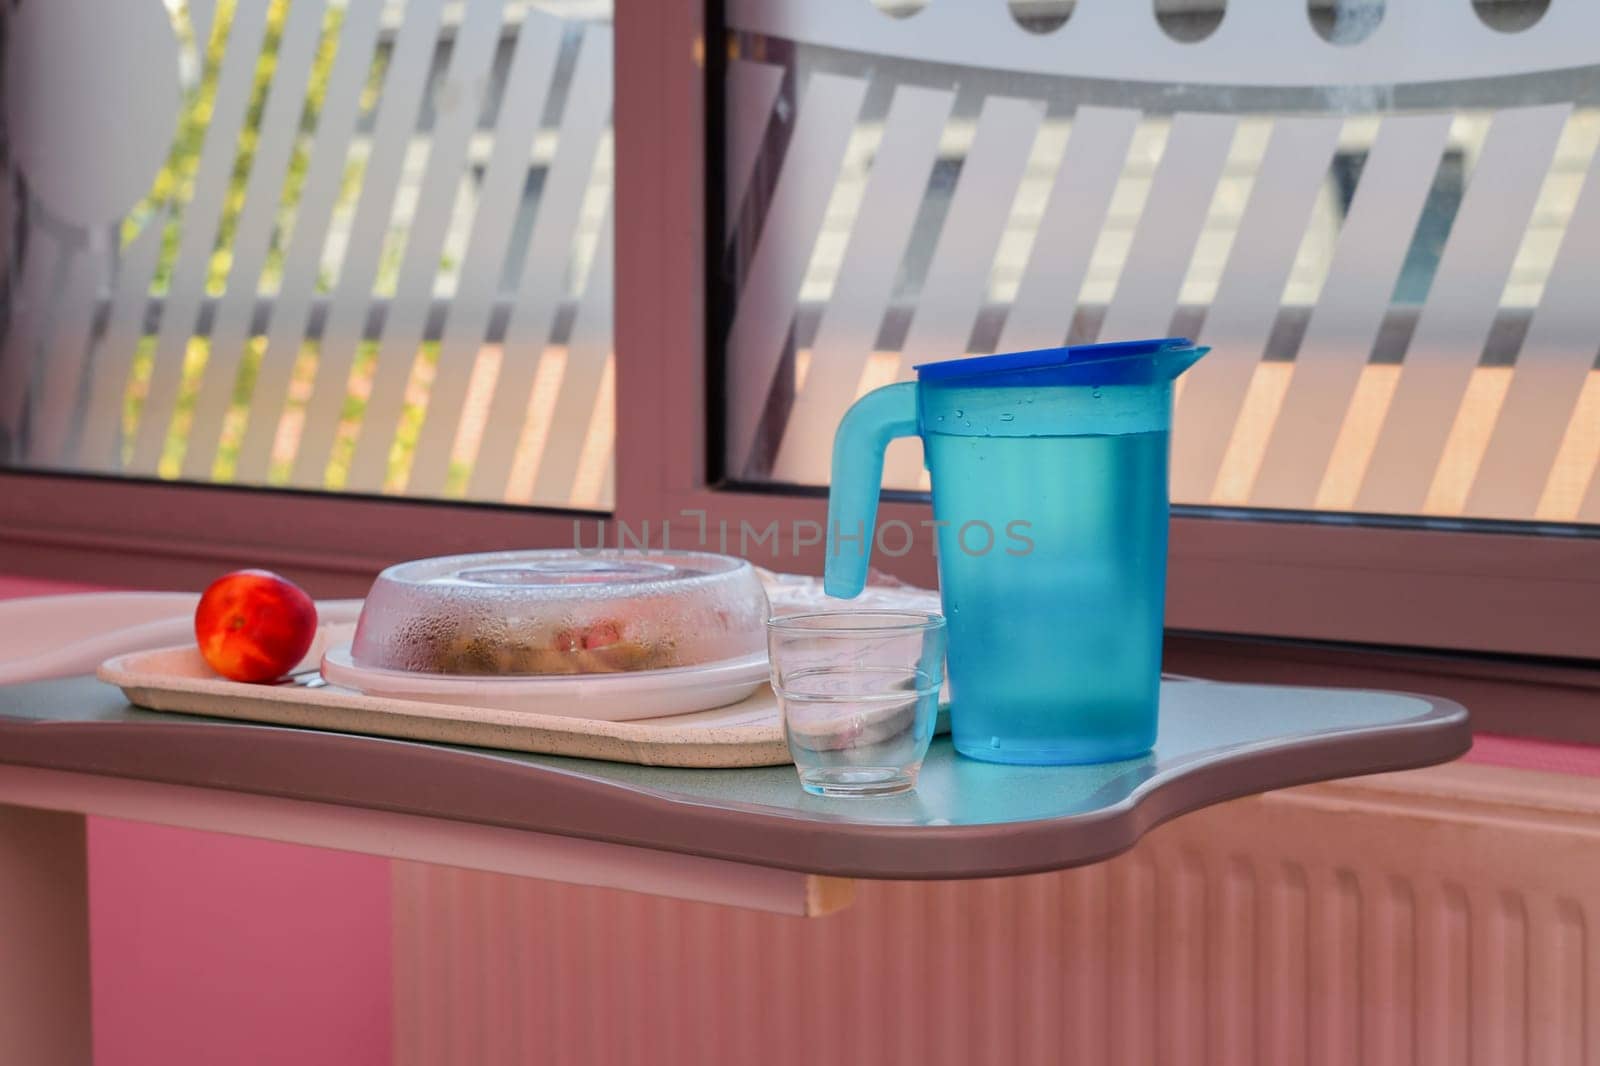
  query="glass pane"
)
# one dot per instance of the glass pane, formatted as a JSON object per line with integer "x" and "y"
{"x": 356, "y": 245}
{"x": 1385, "y": 230}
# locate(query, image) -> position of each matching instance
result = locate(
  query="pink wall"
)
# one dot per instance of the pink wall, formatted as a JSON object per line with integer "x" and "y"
{"x": 210, "y": 949}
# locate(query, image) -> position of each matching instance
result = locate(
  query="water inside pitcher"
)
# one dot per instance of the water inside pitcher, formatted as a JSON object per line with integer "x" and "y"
{"x": 1049, "y": 478}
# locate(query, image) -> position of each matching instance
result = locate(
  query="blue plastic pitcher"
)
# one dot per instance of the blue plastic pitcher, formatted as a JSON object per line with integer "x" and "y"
{"x": 1049, "y": 473}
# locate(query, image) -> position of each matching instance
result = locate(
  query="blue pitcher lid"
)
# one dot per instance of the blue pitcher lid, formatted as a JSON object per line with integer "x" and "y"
{"x": 1043, "y": 358}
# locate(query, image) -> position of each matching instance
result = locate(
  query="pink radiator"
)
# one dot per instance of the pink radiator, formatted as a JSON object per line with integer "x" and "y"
{"x": 1442, "y": 916}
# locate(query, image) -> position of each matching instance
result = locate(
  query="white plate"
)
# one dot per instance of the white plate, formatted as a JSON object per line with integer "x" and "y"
{"x": 622, "y": 697}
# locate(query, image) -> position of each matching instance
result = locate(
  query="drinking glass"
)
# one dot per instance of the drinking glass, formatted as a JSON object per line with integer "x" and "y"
{"x": 860, "y": 694}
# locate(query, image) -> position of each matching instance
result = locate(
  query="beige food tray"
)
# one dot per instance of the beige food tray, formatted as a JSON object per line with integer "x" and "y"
{"x": 748, "y": 733}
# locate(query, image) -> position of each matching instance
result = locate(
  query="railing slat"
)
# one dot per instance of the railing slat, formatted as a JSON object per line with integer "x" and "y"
{"x": 201, "y": 15}
{"x": 201, "y": 219}
{"x": 66, "y": 352}
{"x": 1461, "y": 306}
{"x": 608, "y": 483}
{"x": 1589, "y": 510}
{"x": 398, "y": 106}
{"x": 544, "y": 267}
{"x": 528, "y": 83}
{"x": 100, "y": 445}
{"x": 1241, "y": 316}
{"x": 752, "y": 90}
{"x": 958, "y": 275}
{"x": 1556, "y": 357}
{"x": 459, "y": 101}
{"x": 31, "y": 296}
{"x": 771, "y": 287}
{"x": 1163, "y": 243}
{"x": 1063, "y": 244}
{"x": 598, "y": 450}
{"x": 853, "y": 315}
{"x": 580, "y": 385}
{"x": 252, "y": 237}
{"x": 318, "y": 196}
{"x": 1367, "y": 258}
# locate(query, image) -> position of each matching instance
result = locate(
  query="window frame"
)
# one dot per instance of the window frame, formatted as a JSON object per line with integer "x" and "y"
{"x": 1337, "y": 579}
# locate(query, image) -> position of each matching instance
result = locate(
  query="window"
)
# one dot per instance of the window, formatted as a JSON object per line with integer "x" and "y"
{"x": 1383, "y": 227}
{"x": 356, "y": 245}
{"x": 775, "y": 258}
{"x": 1393, "y": 276}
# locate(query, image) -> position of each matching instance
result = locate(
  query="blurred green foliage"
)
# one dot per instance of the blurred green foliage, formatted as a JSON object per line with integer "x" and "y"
{"x": 173, "y": 189}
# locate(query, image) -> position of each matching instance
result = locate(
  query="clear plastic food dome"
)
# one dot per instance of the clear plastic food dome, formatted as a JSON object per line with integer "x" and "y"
{"x": 531, "y": 613}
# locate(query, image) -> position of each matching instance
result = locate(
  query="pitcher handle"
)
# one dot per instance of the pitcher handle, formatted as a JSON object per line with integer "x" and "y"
{"x": 858, "y": 446}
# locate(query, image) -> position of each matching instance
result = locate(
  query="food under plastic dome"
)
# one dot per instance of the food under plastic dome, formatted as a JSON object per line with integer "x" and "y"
{"x": 524, "y": 613}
